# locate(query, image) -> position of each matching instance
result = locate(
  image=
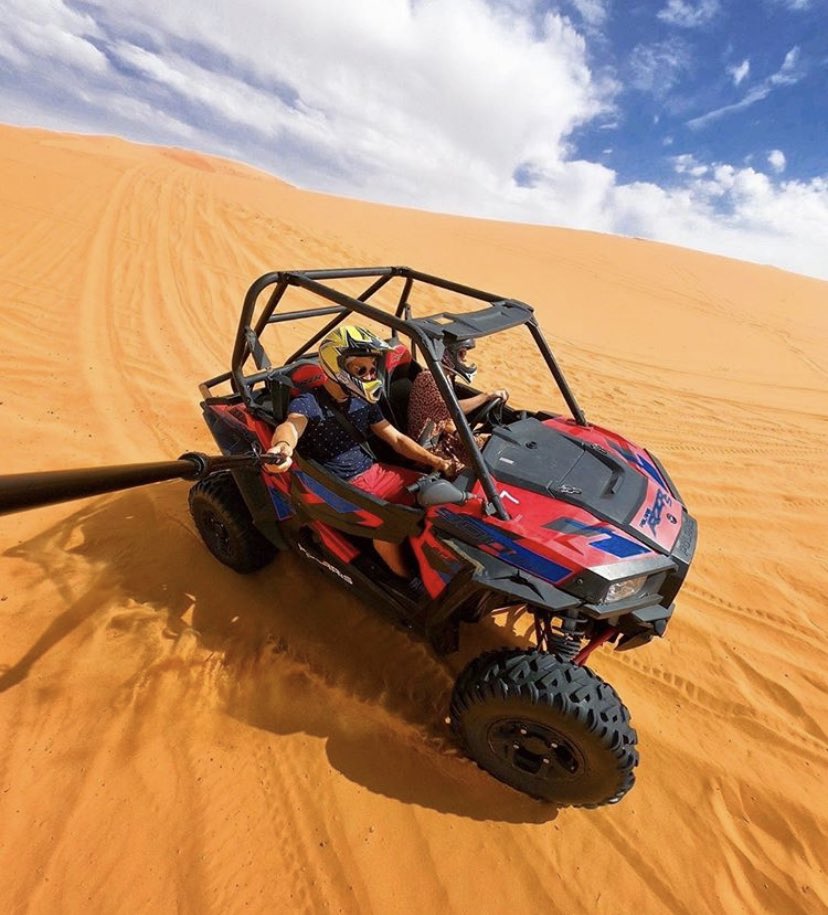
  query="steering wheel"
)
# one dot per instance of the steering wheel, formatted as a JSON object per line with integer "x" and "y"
{"x": 489, "y": 413}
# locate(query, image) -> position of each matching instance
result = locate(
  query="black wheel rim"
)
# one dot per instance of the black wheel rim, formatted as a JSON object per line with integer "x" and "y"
{"x": 217, "y": 534}
{"x": 534, "y": 749}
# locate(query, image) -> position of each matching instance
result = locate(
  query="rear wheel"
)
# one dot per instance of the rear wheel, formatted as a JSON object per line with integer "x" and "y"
{"x": 224, "y": 522}
{"x": 548, "y": 728}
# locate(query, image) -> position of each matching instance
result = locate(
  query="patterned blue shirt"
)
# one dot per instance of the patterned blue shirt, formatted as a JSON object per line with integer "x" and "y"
{"x": 326, "y": 441}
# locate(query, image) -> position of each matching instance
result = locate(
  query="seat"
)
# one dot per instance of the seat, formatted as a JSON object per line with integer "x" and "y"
{"x": 401, "y": 371}
{"x": 285, "y": 383}
{"x": 282, "y": 384}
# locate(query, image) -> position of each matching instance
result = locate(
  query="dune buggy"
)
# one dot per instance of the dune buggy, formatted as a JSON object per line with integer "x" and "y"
{"x": 555, "y": 517}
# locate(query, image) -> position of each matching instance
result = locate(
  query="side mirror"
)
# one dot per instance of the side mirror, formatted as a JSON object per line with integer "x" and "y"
{"x": 437, "y": 491}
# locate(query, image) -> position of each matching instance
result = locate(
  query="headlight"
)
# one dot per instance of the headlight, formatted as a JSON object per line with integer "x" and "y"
{"x": 639, "y": 577}
{"x": 622, "y": 590}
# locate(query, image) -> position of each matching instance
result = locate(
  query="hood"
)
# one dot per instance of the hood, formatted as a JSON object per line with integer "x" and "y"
{"x": 589, "y": 467}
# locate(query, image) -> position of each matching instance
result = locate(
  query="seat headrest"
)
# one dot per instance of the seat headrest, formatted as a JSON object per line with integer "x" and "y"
{"x": 305, "y": 377}
{"x": 309, "y": 375}
{"x": 399, "y": 356}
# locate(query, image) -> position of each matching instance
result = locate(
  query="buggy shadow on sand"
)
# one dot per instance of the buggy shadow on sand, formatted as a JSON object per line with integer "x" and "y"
{"x": 561, "y": 519}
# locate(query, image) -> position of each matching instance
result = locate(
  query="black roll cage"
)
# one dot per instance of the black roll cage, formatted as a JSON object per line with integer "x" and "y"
{"x": 429, "y": 334}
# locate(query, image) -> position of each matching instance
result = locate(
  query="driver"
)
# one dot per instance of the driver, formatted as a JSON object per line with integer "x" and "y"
{"x": 428, "y": 415}
{"x": 333, "y": 420}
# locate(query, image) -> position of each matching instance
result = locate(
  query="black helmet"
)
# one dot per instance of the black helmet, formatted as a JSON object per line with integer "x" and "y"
{"x": 454, "y": 359}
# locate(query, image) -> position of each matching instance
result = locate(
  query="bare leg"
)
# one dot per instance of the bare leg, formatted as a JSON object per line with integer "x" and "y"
{"x": 392, "y": 555}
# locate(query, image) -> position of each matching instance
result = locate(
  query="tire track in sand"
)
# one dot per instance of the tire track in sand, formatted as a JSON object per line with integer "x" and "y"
{"x": 109, "y": 393}
{"x": 774, "y": 730}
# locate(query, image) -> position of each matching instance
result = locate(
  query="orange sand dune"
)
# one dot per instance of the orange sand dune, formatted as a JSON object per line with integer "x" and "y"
{"x": 177, "y": 738}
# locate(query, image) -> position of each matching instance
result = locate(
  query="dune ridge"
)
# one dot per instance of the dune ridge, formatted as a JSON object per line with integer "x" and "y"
{"x": 179, "y": 738}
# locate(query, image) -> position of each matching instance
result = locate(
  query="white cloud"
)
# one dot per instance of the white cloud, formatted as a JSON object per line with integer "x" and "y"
{"x": 739, "y": 72}
{"x": 463, "y": 106}
{"x": 38, "y": 33}
{"x": 736, "y": 212}
{"x": 394, "y": 98}
{"x": 658, "y": 67}
{"x": 593, "y": 12}
{"x": 796, "y": 5}
{"x": 226, "y": 96}
{"x": 777, "y": 160}
{"x": 688, "y": 14}
{"x": 687, "y": 164}
{"x": 788, "y": 64}
{"x": 787, "y": 75}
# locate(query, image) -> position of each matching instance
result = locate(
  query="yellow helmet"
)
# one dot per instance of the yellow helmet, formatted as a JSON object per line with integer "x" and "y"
{"x": 344, "y": 343}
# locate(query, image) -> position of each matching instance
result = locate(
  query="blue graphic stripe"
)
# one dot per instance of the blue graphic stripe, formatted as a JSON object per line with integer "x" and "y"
{"x": 618, "y": 546}
{"x": 611, "y": 542}
{"x": 637, "y": 460}
{"x": 337, "y": 503}
{"x": 507, "y": 549}
{"x": 280, "y": 503}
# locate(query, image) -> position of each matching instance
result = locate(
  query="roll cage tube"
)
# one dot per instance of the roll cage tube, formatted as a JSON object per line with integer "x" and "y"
{"x": 425, "y": 333}
{"x": 557, "y": 374}
{"x": 425, "y": 344}
{"x": 432, "y": 359}
{"x": 338, "y": 320}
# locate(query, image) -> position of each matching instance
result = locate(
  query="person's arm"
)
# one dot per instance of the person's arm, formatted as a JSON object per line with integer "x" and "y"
{"x": 407, "y": 447}
{"x": 472, "y": 403}
{"x": 285, "y": 437}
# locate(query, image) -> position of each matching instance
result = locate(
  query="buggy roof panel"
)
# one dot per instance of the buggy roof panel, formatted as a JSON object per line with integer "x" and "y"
{"x": 498, "y": 316}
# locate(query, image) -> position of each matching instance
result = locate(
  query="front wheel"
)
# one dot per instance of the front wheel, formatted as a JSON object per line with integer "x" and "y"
{"x": 548, "y": 728}
{"x": 224, "y": 522}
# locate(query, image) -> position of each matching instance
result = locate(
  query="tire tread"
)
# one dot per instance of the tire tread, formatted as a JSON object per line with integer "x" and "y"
{"x": 572, "y": 690}
{"x": 219, "y": 492}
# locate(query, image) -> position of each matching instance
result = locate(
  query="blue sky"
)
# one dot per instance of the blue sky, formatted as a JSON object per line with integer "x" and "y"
{"x": 701, "y": 123}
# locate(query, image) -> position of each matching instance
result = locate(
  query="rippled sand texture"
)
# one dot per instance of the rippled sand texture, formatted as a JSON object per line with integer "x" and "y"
{"x": 177, "y": 738}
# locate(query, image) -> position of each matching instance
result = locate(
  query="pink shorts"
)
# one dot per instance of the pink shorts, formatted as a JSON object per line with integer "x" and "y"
{"x": 388, "y": 482}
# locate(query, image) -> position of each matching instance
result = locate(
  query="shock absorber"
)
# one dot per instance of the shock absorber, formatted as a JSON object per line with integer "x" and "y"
{"x": 563, "y": 642}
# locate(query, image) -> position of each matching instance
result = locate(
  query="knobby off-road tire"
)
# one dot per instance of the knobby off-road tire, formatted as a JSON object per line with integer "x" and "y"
{"x": 225, "y": 525}
{"x": 548, "y": 728}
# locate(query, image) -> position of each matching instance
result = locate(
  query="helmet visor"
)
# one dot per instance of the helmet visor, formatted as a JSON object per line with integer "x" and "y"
{"x": 455, "y": 359}
{"x": 363, "y": 376}
{"x": 365, "y": 368}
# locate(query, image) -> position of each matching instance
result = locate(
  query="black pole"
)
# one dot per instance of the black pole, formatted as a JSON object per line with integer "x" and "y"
{"x": 445, "y": 387}
{"x": 557, "y": 374}
{"x": 22, "y": 491}
{"x": 337, "y": 320}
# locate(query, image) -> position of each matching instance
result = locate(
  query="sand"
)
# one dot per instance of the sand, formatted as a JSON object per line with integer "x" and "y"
{"x": 178, "y": 738}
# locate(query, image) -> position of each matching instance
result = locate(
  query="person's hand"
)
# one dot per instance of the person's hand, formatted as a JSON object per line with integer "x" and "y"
{"x": 282, "y": 458}
{"x": 449, "y": 468}
{"x": 455, "y": 468}
{"x": 499, "y": 394}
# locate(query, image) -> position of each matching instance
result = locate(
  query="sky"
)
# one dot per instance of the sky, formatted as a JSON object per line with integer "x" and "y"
{"x": 701, "y": 123}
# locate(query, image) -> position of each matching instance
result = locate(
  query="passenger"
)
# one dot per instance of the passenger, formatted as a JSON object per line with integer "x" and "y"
{"x": 428, "y": 416}
{"x": 333, "y": 421}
